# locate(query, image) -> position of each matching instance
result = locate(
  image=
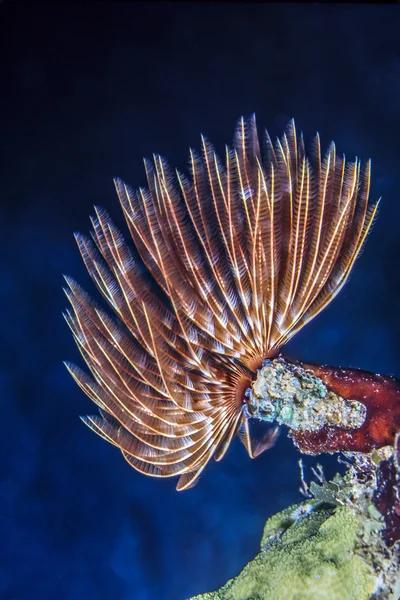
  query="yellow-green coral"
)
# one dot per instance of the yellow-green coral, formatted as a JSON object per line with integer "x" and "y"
{"x": 307, "y": 553}
{"x": 329, "y": 547}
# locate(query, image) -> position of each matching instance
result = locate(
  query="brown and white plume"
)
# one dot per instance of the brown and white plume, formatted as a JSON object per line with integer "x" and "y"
{"x": 243, "y": 253}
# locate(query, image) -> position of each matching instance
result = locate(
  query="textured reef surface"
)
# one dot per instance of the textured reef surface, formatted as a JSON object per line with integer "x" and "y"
{"x": 339, "y": 544}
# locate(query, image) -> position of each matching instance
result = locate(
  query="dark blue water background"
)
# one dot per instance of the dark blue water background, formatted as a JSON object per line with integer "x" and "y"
{"x": 87, "y": 90}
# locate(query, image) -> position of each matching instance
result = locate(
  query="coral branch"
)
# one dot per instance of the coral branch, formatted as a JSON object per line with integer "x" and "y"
{"x": 327, "y": 409}
{"x": 381, "y": 396}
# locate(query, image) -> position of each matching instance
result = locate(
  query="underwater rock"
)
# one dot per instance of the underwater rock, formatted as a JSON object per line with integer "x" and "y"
{"x": 331, "y": 546}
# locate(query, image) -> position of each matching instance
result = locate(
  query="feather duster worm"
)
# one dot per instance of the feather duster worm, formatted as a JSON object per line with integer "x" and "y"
{"x": 244, "y": 252}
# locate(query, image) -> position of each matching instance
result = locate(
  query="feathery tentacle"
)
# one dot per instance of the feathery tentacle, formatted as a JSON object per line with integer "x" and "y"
{"x": 247, "y": 251}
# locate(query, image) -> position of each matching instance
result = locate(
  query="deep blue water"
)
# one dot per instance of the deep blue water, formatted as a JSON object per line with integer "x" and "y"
{"x": 87, "y": 90}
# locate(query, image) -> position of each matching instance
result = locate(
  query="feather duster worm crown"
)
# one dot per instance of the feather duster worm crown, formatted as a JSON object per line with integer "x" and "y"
{"x": 246, "y": 250}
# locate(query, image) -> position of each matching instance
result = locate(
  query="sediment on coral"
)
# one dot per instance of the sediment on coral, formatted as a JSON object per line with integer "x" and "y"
{"x": 333, "y": 545}
{"x": 293, "y": 396}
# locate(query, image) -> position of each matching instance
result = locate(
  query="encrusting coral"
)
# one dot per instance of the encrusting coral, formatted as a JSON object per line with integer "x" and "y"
{"x": 331, "y": 546}
{"x": 311, "y": 558}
